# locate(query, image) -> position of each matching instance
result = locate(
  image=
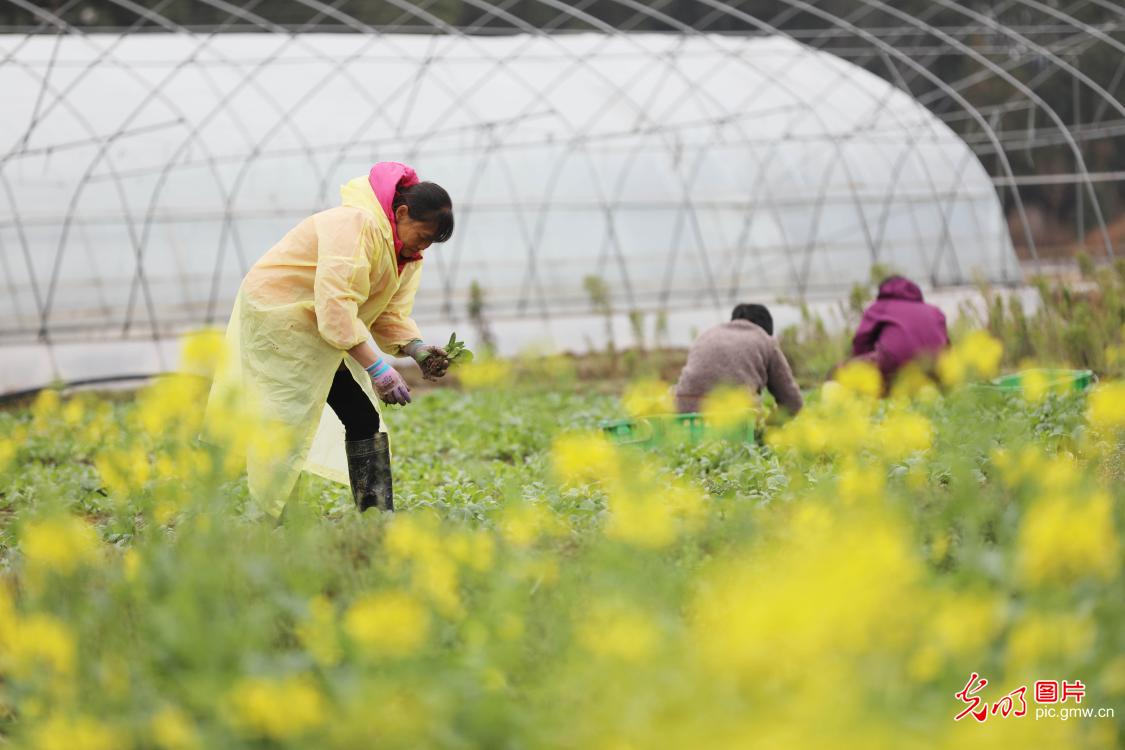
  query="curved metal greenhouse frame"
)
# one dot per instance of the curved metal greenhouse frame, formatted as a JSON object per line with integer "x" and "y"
{"x": 690, "y": 153}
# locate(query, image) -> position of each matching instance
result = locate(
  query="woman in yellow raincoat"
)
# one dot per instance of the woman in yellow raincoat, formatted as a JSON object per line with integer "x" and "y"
{"x": 298, "y": 335}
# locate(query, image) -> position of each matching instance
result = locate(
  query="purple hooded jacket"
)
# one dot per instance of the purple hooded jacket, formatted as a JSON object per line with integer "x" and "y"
{"x": 899, "y": 326}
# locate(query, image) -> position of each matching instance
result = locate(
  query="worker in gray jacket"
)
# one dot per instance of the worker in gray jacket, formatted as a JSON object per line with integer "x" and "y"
{"x": 741, "y": 352}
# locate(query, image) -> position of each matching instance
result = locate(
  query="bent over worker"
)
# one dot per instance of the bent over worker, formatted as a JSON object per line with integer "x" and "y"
{"x": 898, "y": 327}
{"x": 742, "y": 352}
{"x": 299, "y": 332}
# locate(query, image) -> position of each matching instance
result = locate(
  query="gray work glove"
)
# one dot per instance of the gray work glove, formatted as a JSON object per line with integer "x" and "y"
{"x": 433, "y": 360}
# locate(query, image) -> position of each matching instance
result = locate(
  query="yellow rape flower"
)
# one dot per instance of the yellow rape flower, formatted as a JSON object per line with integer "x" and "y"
{"x": 484, "y": 373}
{"x": 202, "y": 352}
{"x": 616, "y": 630}
{"x": 978, "y": 354}
{"x": 952, "y": 368}
{"x": 74, "y": 412}
{"x": 911, "y": 383}
{"x": 861, "y": 377}
{"x": 835, "y": 586}
{"x": 45, "y": 408}
{"x": 8, "y": 450}
{"x": 1039, "y": 638}
{"x": 438, "y": 579}
{"x": 60, "y": 544}
{"x": 1105, "y": 409}
{"x": 413, "y": 537}
{"x": 37, "y": 642}
{"x": 581, "y": 458}
{"x": 130, "y": 564}
{"x": 276, "y": 709}
{"x": 982, "y": 352}
{"x": 388, "y": 623}
{"x": 77, "y": 733}
{"x": 172, "y": 729}
{"x": 123, "y": 471}
{"x": 1065, "y": 538}
{"x": 861, "y": 483}
{"x": 651, "y": 517}
{"x": 1034, "y": 385}
{"x": 646, "y": 398}
{"x": 523, "y": 523}
{"x": 476, "y": 549}
{"x": 956, "y": 625}
{"x": 903, "y": 433}
{"x": 728, "y": 407}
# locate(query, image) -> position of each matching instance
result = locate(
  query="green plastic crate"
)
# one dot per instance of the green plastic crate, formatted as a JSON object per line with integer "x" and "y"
{"x": 648, "y": 431}
{"x": 1076, "y": 380}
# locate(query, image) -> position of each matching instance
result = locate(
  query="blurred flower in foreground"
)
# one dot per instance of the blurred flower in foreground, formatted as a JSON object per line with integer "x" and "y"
{"x": 903, "y": 433}
{"x": 61, "y": 544}
{"x": 616, "y": 630}
{"x": 1106, "y": 408}
{"x": 1064, "y": 538}
{"x": 912, "y": 383}
{"x": 584, "y": 457}
{"x": 76, "y": 733}
{"x": 172, "y": 730}
{"x": 649, "y": 508}
{"x": 276, "y": 709}
{"x": 1034, "y": 385}
{"x": 387, "y": 623}
{"x": 1038, "y": 638}
{"x": 202, "y": 352}
{"x": 646, "y": 398}
{"x": 728, "y": 407}
{"x": 484, "y": 373}
{"x": 36, "y": 645}
{"x": 861, "y": 377}
{"x": 976, "y": 355}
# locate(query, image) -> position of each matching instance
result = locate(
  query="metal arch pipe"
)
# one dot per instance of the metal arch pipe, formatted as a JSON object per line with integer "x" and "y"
{"x": 772, "y": 29}
{"x": 596, "y": 23}
{"x": 768, "y": 77}
{"x": 45, "y": 313}
{"x": 84, "y": 122}
{"x": 1016, "y": 83}
{"x": 248, "y": 79}
{"x": 442, "y": 26}
{"x": 914, "y": 65}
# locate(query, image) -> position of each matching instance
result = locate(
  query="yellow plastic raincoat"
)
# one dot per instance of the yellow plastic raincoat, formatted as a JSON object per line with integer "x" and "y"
{"x": 314, "y": 295}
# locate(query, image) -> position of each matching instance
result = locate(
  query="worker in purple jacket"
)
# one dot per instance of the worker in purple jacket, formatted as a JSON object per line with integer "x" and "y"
{"x": 899, "y": 327}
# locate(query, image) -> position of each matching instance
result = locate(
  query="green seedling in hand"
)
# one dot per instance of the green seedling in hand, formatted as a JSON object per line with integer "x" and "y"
{"x": 456, "y": 352}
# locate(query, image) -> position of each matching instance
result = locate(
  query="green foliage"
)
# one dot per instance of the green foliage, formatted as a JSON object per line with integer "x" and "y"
{"x": 198, "y": 611}
{"x": 456, "y": 352}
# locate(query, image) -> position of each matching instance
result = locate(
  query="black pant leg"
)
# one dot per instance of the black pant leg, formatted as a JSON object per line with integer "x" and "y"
{"x": 354, "y": 409}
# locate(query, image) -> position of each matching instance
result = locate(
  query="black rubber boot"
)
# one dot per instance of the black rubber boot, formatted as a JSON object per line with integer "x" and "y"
{"x": 369, "y": 468}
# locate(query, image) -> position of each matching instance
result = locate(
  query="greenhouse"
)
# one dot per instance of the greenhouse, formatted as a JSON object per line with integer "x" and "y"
{"x": 687, "y": 172}
{"x": 687, "y": 158}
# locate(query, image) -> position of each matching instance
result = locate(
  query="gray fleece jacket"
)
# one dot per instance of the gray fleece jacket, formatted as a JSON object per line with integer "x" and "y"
{"x": 736, "y": 353}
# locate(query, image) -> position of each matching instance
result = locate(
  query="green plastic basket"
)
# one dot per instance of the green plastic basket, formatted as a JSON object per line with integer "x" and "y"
{"x": 1057, "y": 380}
{"x": 663, "y": 428}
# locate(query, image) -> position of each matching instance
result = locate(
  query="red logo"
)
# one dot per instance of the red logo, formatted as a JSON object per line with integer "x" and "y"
{"x": 969, "y": 695}
{"x": 1046, "y": 691}
{"x": 1015, "y": 702}
{"x": 1077, "y": 691}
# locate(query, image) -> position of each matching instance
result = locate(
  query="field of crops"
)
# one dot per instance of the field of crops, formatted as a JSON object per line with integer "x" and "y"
{"x": 542, "y": 587}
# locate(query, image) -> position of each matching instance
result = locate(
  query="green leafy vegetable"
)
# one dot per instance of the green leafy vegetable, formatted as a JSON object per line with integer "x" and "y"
{"x": 456, "y": 352}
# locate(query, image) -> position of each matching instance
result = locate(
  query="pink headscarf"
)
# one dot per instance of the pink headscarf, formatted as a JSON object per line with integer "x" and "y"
{"x": 385, "y": 178}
